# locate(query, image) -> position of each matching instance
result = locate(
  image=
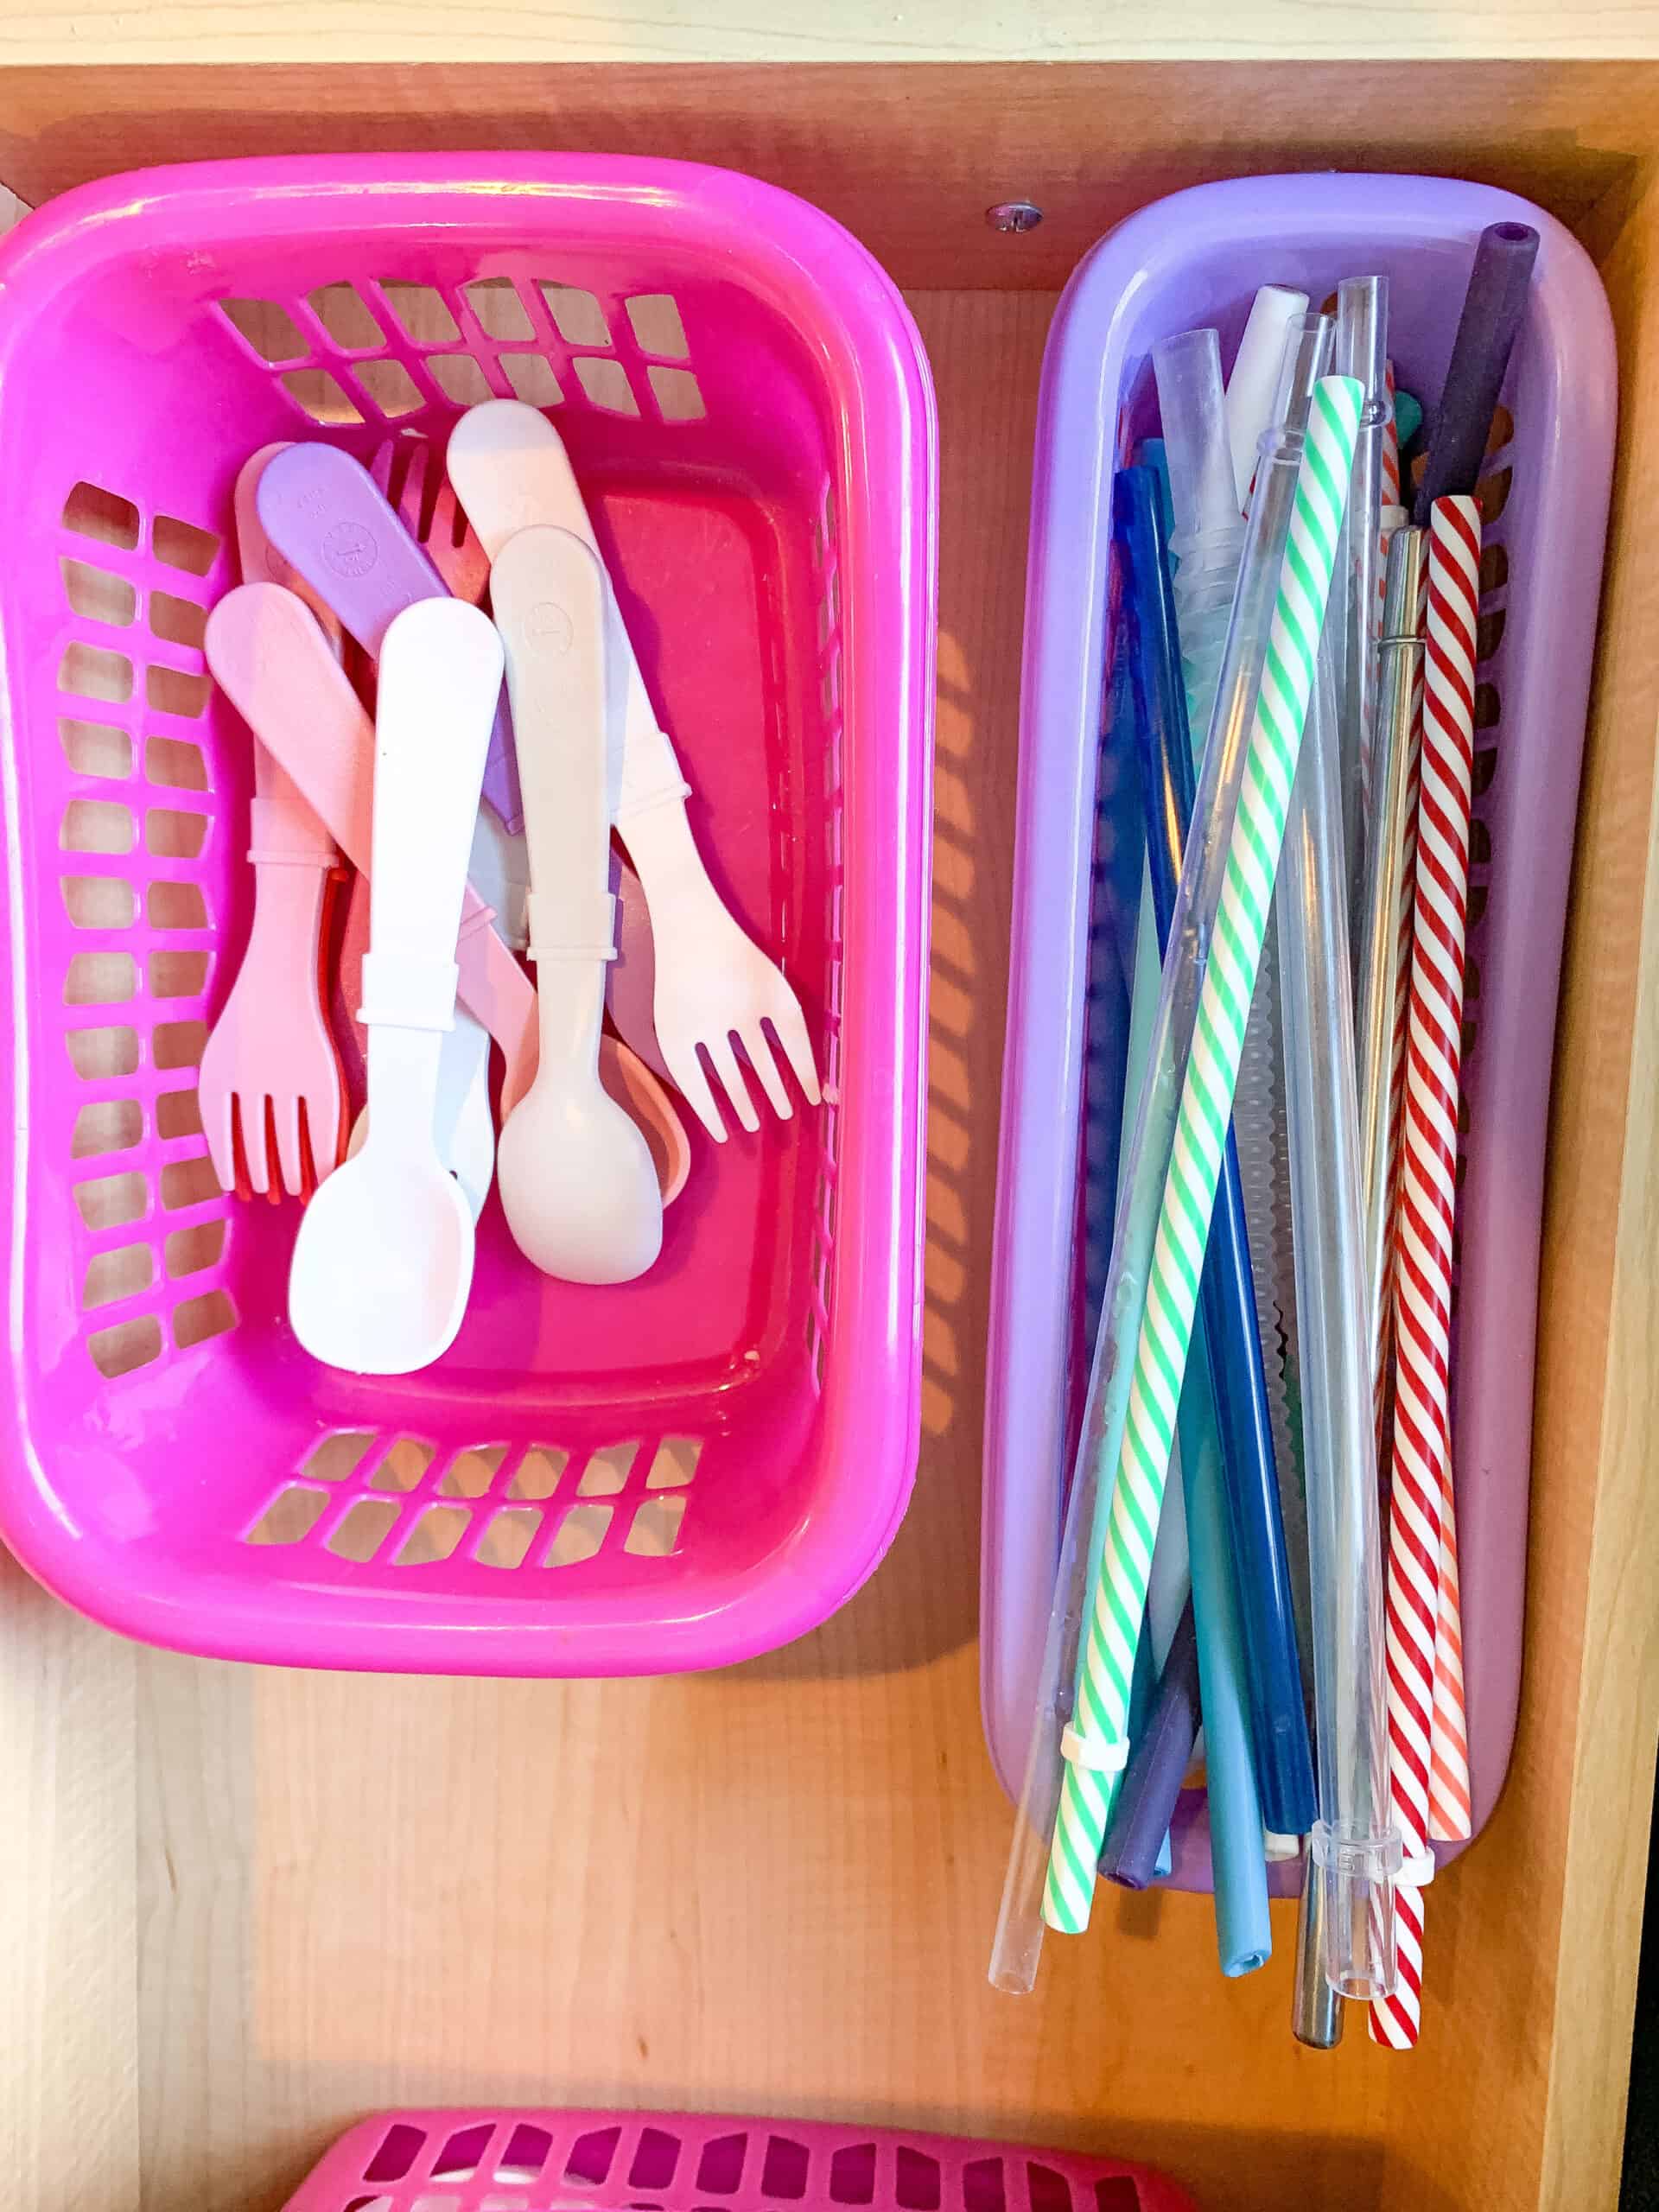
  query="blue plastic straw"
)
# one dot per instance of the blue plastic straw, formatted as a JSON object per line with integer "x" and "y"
{"x": 1283, "y": 1757}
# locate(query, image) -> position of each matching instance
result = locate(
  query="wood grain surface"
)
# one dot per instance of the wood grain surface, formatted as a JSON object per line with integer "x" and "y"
{"x": 909, "y": 158}
{"x": 633, "y": 31}
{"x": 242, "y": 1907}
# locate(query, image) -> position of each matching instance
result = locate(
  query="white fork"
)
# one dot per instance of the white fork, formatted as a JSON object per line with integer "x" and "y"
{"x": 509, "y": 469}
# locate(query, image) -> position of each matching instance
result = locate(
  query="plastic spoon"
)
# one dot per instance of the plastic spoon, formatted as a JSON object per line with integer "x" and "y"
{"x": 271, "y": 661}
{"x": 509, "y": 470}
{"x": 408, "y": 469}
{"x": 576, "y": 1180}
{"x": 384, "y": 1260}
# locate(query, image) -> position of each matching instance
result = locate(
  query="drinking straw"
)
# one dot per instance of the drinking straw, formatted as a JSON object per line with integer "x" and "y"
{"x": 1019, "y": 1928}
{"x": 1236, "y": 1384}
{"x": 1434, "y": 1056}
{"x": 1208, "y": 534}
{"x": 1258, "y": 1104}
{"x": 1354, "y": 1851}
{"x": 1384, "y": 956}
{"x": 1221, "y": 1395}
{"x": 1391, "y": 446}
{"x": 1157, "y": 1767}
{"x": 1361, "y": 351}
{"x": 1238, "y": 1864}
{"x": 1093, "y": 1747}
{"x": 1492, "y": 309}
{"x": 1254, "y": 384}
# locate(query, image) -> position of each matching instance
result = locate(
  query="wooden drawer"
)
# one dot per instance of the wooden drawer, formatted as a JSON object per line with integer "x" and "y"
{"x": 239, "y": 1907}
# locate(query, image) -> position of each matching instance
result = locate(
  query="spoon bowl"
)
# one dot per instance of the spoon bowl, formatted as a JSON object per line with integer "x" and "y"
{"x": 383, "y": 1264}
{"x": 578, "y": 1182}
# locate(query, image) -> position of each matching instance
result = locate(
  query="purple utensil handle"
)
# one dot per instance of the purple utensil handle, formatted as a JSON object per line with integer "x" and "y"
{"x": 1492, "y": 309}
{"x": 328, "y": 520}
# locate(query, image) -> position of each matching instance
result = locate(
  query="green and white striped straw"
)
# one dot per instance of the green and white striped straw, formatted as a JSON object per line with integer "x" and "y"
{"x": 1095, "y": 1744}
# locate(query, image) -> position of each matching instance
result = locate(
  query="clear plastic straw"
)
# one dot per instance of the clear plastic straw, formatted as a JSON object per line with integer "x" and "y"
{"x": 1361, "y": 352}
{"x": 1356, "y": 1847}
{"x": 1018, "y": 1938}
{"x": 1388, "y": 869}
{"x": 1208, "y": 537}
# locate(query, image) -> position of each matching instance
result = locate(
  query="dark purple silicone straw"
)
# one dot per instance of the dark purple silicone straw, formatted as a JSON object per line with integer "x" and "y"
{"x": 1492, "y": 309}
{"x": 1152, "y": 1781}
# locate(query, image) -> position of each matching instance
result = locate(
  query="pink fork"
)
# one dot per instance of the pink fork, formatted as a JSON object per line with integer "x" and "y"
{"x": 271, "y": 1075}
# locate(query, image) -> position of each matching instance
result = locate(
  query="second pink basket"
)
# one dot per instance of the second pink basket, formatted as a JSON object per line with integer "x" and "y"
{"x": 676, "y": 2162}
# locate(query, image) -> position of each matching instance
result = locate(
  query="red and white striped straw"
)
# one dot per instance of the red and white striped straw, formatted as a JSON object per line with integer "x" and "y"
{"x": 1390, "y": 448}
{"x": 1433, "y": 1069}
{"x": 1427, "y": 1743}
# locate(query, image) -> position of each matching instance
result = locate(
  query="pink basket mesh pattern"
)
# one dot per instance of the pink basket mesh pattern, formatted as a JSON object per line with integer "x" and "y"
{"x": 666, "y": 2162}
{"x": 589, "y": 1482}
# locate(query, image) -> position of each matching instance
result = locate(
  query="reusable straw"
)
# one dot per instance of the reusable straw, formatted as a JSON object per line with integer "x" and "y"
{"x": 1254, "y": 384}
{"x": 1208, "y": 536}
{"x": 1492, "y": 309}
{"x": 1093, "y": 1747}
{"x": 1354, "y": 1851}
{"x": 1433, "y": 1056}
{"x": 1020, "y": 1925}
{"x": 1157, "y": 1767}
{"x": 1384, "y": 973}
{"x": 1391, "y": 447}
{"x": 1362, "y": 352}
{"x": 1258, "y": 1104}
{"x": 1243, "y": 1929}
{"x": 1233, "y": 1377}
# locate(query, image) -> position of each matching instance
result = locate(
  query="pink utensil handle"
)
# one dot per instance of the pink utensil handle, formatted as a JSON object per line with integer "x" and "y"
{"x": 273, "y": 664}
{"x": 329, "y": 521}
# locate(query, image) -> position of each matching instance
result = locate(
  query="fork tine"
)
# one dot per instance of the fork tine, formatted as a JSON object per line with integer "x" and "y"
{"x": 285, "y": 1132}
{"x": 252, "y": 1116}
{"x": 789, "y": 1023}
{"x": 686, "y": 1069}
{"x": 730, "y": 1077}
{"x": 755, "y": 1042}
{"x": 380, "y": 467}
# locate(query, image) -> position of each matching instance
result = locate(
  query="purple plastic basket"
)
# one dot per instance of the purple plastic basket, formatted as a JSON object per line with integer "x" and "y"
{"x": 1197, "y": 258}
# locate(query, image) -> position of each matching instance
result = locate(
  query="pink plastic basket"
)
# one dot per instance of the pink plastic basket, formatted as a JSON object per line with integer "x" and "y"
{"x": 675, "y": 1474}
{"x": 672, "y": 2162}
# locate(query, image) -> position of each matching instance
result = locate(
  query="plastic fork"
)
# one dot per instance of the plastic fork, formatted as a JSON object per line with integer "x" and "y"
{"x": 269, "y": 658}
{"x": 409, "y": 474}
{"x": 409, "y": 471}
{"x": 714, "y": 985}
{"x": 270, "y": 1088}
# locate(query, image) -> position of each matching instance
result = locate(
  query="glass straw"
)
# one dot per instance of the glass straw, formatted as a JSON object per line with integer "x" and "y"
{"x": 1355, "y": 1847}
{"x": 1362, "y": 349}
{"x": 1019, "y": 1928}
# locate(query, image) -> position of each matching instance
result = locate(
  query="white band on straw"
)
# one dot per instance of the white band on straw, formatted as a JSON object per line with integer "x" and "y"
{"x": 1100, "y": 1754}
{"x": 1417, "y": 1873}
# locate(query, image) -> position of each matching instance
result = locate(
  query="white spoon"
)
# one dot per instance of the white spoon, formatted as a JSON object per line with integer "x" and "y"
{"x": 576, "y": 1176}
{"x": 384, "y": 1260}
{"x": 463, "y": 1128}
